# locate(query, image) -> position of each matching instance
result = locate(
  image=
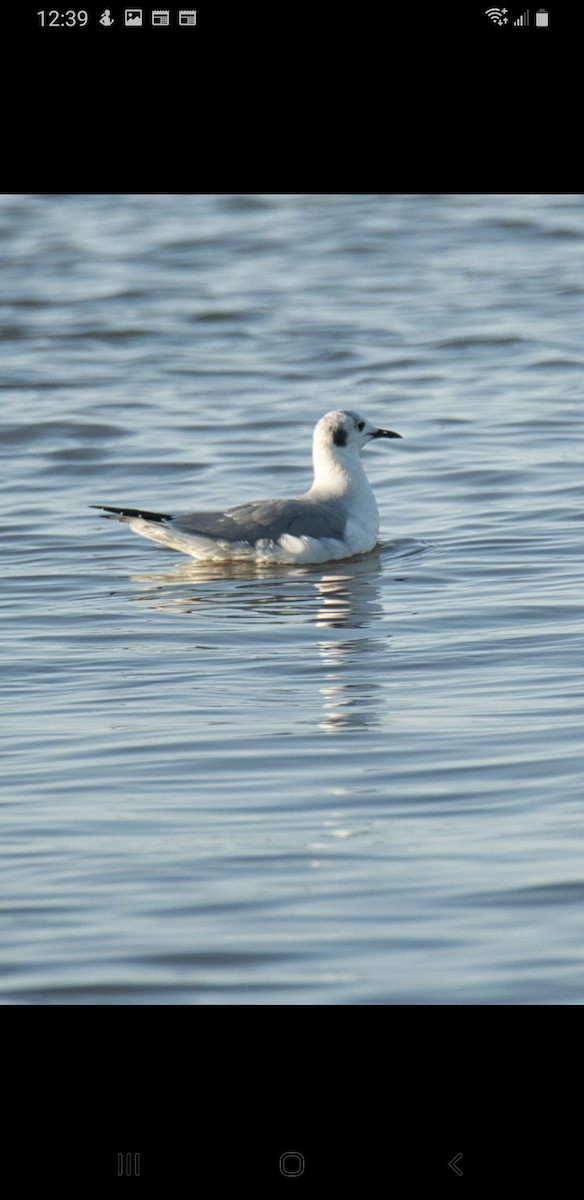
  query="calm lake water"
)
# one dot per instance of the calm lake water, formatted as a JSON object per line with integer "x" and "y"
{"x": 360, "y": 783}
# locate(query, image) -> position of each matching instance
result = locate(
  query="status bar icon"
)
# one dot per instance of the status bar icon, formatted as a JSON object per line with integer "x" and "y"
{"x": 133, "y": 16}
{"x": 161, "y": 16}
{"x": 542, "y": 17}
{"x": 187, "y": 16}
{"x": 497, "y": 15}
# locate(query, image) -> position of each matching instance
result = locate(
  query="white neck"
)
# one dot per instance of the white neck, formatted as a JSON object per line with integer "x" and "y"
{"x": 336, "y": 473}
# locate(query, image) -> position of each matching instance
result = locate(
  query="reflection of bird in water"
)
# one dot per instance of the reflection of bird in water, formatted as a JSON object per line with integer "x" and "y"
{"x": 335, "y": 519}
{"x": 343, "y": 596}
{"x": 342, "y": 602}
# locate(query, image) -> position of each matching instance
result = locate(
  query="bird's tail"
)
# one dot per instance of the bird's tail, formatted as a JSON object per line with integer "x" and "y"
{"x": 130, "y": 514}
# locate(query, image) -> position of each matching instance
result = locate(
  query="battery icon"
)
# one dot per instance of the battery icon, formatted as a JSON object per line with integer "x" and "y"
{"x": 542, "y": 17}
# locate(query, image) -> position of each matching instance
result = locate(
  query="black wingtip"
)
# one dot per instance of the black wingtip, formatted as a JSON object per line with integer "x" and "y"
{"x": 132, "y": 512}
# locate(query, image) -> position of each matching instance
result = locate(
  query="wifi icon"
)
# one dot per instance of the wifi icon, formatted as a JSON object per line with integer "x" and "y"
{"x": 497, "y": 15}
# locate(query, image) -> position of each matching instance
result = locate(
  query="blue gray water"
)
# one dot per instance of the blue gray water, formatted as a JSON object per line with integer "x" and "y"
{"x": 360, "y": 783}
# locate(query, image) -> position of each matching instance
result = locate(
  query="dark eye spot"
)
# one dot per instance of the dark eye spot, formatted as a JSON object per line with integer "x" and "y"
{"x": 360, "y": 425}
{"x": 340, "y": 437}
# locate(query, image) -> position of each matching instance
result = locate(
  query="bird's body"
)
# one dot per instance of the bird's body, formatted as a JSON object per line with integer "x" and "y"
{"x": 336, "y": 518}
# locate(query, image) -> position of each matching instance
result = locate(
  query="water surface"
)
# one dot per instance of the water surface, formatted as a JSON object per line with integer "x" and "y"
{"x": 357, "y": 783}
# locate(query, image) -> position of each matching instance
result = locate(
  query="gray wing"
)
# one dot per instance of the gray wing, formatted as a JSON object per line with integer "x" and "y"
{"x": 268, "y": 519}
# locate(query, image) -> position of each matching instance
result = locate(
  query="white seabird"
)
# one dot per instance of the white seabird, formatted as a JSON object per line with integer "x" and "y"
{"x": 336, "y": 518}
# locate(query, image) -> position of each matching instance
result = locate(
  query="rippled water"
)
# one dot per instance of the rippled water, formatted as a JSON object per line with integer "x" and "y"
{"x": 359, "y": 783}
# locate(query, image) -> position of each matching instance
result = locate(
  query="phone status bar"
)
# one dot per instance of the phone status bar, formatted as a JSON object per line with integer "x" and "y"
{"x": 110, "y": 18}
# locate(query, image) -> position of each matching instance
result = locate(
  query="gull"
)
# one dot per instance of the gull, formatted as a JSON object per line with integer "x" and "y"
{"x": 335, "y": 519}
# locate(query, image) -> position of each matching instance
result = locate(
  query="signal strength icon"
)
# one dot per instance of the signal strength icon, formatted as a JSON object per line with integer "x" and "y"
{"x": 497, "y": 15}
{"x": 523, "y": 20}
